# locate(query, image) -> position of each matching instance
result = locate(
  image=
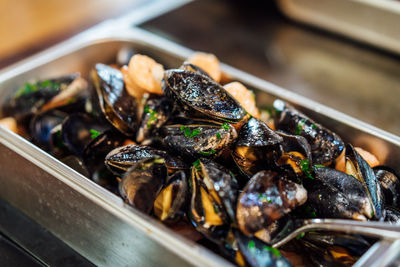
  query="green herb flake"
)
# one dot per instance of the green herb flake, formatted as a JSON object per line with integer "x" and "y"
{"x": 211, "y": 152}
{"x": 300, "y": 126}
{"x": 274, "y": 251}
{"x": 152, "y": 115}
{"x": 94, "y": 133}
{"x": 225, "y": 126}
{"x": 188, "y": 133}
{"x": 232, "y": 174}
{"x": 251, "y": 244}
{"x": 310, "y": 212}
{"x": 305, "y": 167}
{"x": 218, "y": 136}
{"x": 313, "y": 126}
{"x": 299, "y": 236}
{"x": 196, "y": 165}
{"x": 33, "y": 87}
{"x": 216, "y": 209}
{"x": 319, "y": 166}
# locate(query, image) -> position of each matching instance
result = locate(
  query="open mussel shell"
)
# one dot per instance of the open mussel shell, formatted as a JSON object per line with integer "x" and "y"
{"x": 212, "y": 204}
{"x": 32, "y": 96}
{"x": 360, "y": 169}
{"x": 79, "y": 129}
{"x": 142, "y": 183}
{"x": 120, "y": 159}
{"x": 199, "y": 138}
{"x": 257, "y": 148}
{"x": 170, "y": 204}
{"x": 41, "y": 128}
{"x": 352, "y": 189}
{"x": 118, "y": 107}
{"x": 198, "y": 95}
{"x": 356, "y": 244}
{"x": 253, "y": 252}
{"x": 267, "y": 197}
{"x": 389, "y": 182}
{"x": 326, "y": 146}
{"x": 156, "y": 112}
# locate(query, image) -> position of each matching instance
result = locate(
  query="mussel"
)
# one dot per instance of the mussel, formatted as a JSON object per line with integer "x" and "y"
{"x": 32, "y": 96}
{"x": 199, "y": 138}
{"x": 390, "y": 184}
{"x": 143, "y": 181}
{"x": 257, "y": 147}
{"x": 198, "y": 95}
{"x": 326, "y": 146}
{"x": 213, "y": 200}
{"x": 335, "y": 194}
{"x": 359, "y": 168}
{"x": 156, "y": 112}
{"x": 266, "y": 198}
{"x": 120, "y": 159}
{"x": 171, "y": 202}
{"x": 118, "y": 107}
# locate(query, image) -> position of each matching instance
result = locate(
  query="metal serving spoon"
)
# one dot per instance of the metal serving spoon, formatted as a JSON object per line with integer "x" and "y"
{"x": 294, "y": 227}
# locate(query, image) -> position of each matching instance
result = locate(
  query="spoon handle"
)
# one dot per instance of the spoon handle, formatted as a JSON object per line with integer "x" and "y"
{"x": 372, "y": 229}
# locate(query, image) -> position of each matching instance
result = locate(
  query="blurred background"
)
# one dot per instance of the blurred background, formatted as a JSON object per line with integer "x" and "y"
{"x": 352, "y": 69}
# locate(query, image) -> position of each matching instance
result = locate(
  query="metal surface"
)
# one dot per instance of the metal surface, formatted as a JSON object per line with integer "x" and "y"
{"x": 371, "y": 21}
{"x": 93, "y": 221}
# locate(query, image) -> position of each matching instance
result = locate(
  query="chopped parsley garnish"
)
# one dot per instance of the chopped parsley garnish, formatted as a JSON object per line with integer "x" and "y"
{"x": 218, "y": 136}
{"x": 274, "y": 251}
{"x": 264, "y": 198}
{"x": 300, "y": 126}
{"x": 152, "y": 114}
{"x": 299, "y": 236}
{"x": 211, "y": 152}
{"x": 232, "y": 174}
{"x": 33, "y": 87}
{"x": 251, "y": 244}
{"x": 313, "y": 126}
{"x": 188, "y": 133}
{"x": 196, "y": 165}
{"x": 216, "y": 209}
{"x": 225, "y": 126}
{"x": 319, "y": 166}
{"x": 94, "y": 133}
{"x": 305, "y": 167}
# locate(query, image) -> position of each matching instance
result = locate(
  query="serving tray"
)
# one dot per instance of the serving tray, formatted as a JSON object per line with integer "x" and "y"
{"x": 97, "y": 223}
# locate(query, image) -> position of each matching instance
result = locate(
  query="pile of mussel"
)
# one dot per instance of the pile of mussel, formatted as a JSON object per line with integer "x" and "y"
{"x": 178, "y": 145}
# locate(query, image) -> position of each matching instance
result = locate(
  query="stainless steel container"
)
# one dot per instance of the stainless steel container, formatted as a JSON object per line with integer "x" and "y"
{"x": 93, "y": 221}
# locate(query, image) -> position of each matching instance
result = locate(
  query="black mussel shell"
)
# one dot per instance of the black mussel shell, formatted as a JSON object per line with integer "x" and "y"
{"x": 353, "y": 189}
{"x": 267, "y": 197}
{"x": 79, "y": 129}
{"x": 356, "y": 244}
{"x": 329, "y": 202}
{"x": 360, "y": 169}
{"x": 257, "y": 253}
{"x": 156, "y": 112}
{"x": 76, "y": 163}
{"x": 120, "y": 159}
{"x": 199, "y": 138}
{"x": 32, "y": 96}
{"x": 257, "y": 147}
{"x": 142, "y": 183}
{"x": 118, "y": 107}
{"x": 326, "y": 146}
{"x": 97, "y": 149}
{"x": 389, "y": 182}
{"x": 213, "y": 199}
{"x": 41, "y": 128}
{"x": 200, "y": 96}
{"x": 171, "y": 203}
{"x": 392, "y": 215}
